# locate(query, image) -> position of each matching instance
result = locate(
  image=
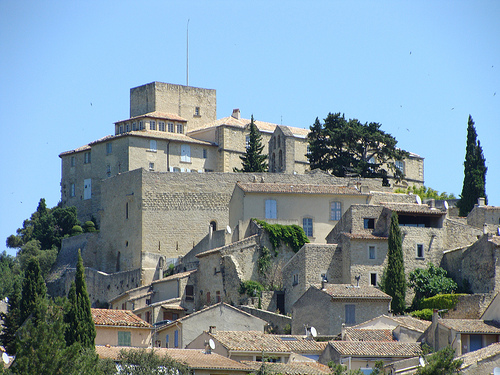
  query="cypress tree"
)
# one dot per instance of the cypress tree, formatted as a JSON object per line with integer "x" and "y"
{"x": 253, "y": 160}
{"x": 12, "y": 319}
{"x": 394, "y": 279}
{"x": 474, "y": 185}
{"x": 33, "y": 291}
{"x": 81, "y": 326}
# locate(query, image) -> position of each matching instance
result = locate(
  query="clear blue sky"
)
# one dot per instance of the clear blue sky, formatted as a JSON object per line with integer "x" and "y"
{"x": 419, "y": 68}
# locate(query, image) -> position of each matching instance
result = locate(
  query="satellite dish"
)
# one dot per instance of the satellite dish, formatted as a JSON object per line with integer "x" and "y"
{"x": 496, "y": 371}
{"x": 314, "y": 333}
{"x": 212, "y": 344}
{"x": 446, "y": 206}
{"x": 5, "y": 358}
{"x": 228, "y": 229}
{"x": 419, "y": 200}
{"x": 422, "y": 362}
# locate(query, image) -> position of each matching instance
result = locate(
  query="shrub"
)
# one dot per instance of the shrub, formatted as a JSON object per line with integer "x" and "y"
{"x": 251, "y": 288}
{"x": 76, "y": 230}
{"x": 425, "y": 314}
{"x": 440, "y": 302}
{"x": 287, "y": 329}
{"x": 292, "y": 235}
{"x": 89, "y": 226}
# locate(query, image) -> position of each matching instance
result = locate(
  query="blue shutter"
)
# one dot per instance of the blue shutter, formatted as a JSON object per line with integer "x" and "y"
{"x": 176, "y": 339}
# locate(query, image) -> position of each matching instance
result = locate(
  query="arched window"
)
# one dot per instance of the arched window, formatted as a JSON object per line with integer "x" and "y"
{"x": 280, "y": 165}
{"x": 213, "y": 225}
{"x": 279, "y": 141}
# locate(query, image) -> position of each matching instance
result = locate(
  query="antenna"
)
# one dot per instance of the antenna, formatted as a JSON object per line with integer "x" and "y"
{"x": 446, "y": 206}
{"x": 228, "y": 229}
{"x": 314, "y": 333}
{"x": 419, "y": 200}
{"x": 5, "y": 358}
{"x": 211, "y": 343}
{"x": 187, "y": 54}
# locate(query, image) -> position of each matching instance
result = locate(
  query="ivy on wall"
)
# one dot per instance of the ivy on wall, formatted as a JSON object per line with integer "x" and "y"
{"x": 292, "y": 235}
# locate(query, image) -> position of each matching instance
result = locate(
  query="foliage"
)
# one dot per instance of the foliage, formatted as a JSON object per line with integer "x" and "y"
{"x": 426, "y": 193}
{"x": 440, "y": 302}
{"x": 430, "y": 282}
{"x": 338, "y": 369}
{"x": 12, "y": 318}
{"x": 287, "y": 329}
{"x": 89, "y": 226}
{"x": 474, "y": 185}
{"x": 169, "y": 271}
{"x": 33, "y": 290}
{"x": 394, "y": 279}
{"x": 9, "y": 271}
{"x": 76, "y": 230}
{"x": 292, "y": 235}
{"x": 350, "y": 148}
{"x": 441, "y": 362}
{"x": 251, "y": 288}
{"x": 146, "y": 361}
{"x": 264, "y": 261}
{"x": 425, "y": 314}
{"x": 253, "y": 160}
{"x": 32, "y": 249}
{"x": 78, "y": 316}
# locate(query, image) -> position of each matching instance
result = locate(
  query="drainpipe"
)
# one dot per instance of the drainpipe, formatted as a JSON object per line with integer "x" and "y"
{"x": 168, "y": 156}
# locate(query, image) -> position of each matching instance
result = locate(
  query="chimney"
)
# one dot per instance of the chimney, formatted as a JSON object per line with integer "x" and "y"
{"x": 236, "y": 113}
{"x": 481, "y": 202}
{"x": 432, "y": 203}
{"x": 485, "y": 229}
{"x": 343, "y": 332}
{"x": 212, "y": 329}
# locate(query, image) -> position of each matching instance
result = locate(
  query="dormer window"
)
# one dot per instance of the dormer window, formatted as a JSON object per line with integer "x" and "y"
{"x": 368, "y": 223}
{"x": 127, "y": 127}
{"x": 161, "y": 126}
{"x": 180, "y": 128}
{"x": 152, "y": 125}
{"x": 120, "y": 129}
{"x": 134, "y": 126}
{"x": 141, "y": 125}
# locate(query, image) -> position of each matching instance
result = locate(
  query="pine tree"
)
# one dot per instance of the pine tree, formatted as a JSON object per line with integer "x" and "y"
{"x": 253, "y": 160}
{"x": 34, "y": 289}
{"x": 81, "y": 326}
{"x": 474, "y": 185}
{"x": 12, "y": 319}
{"x": 394, "y": 279}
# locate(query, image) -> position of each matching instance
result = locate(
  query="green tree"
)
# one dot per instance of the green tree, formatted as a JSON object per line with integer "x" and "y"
{"x": 441, "y": 362}
{"x": 350, "y": 148}
{"x": 426, "y": 193}
{"x": 81, "y": 326}
{"x": 12, "y": 318}
{"x": 393, "y": 279}
{"x": 9, "y": 270}
{"x": 429, "y": 282}
{"x": 253, "y": 160}
{"x": 146, "y": 362}
{"x": 34, "y": 290}
{"x": 474, "y": 185}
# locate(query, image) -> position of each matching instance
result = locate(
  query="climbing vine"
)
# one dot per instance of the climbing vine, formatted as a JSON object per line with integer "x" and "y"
{"x": 292, "y": 235}
{"x": 264, "y": 261}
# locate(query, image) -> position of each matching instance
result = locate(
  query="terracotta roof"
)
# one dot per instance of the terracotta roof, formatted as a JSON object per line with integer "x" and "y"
{"x": 155, "y": 135}
{"x": 472, "y": 358}
{"x": 261, "y": 125}
{"x": 377, "y": 348}
{"x": 413, "y": 208}
{"x": 364, "y": 236}
{"x": 356, "y": 334}
{"x": 194, "y": 358}
{"x": 157, "y": 115}
{"x": 254, "y": 341}
{"x": 471, "y": 325}
{"x": 301, "y": 368}
{"x": 350, "y": 291}
{"x": 412, "y": 323}
{"x": 259, "y": 187}
{"x": 175, "y": 276}
{"x": 120, "y": 318}
{"x": 79, "y": 149}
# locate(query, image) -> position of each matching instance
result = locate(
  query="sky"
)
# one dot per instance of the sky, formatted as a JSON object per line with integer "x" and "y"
{"x": 418, "y": 68}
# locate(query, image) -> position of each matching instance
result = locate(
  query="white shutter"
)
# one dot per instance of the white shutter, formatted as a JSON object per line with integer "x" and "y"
{"x": 87, "y": 188}
{"x": 186, "y": 153}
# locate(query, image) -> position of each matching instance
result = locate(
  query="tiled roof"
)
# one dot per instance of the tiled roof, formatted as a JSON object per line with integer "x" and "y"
{"x": 377, "y": 348}
{"x": 364, "y": 236}
{"x": 413, "y": 208}
{"x": 79, "y": 149}
{"x": 302, "y": 368}
{"x": 412, "y": 323}
{"x": 356, "y": 334}
{"x": 155, "y": 135}
{"x": 350, "y": 291}
{"x": 472, "y": 358}
{"x": 157, "y": 115}
{"x": 258, "y": 341}
{"x": 258, "y": 187}
{"x": 261, "y": 125}
{"x": 471, "y": 325}
{"x": 121, "y": 318}
{"x": 175, "y": 276}
{"x": 194, "y": 358}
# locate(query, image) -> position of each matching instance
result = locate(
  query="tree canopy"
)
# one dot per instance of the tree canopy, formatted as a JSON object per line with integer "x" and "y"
{"x": 426, "y": 193}
{"x": 429, "y": 282}
{"x": 253, "y": 160}
{"x": 474, "y": 185}
{"x": 441, "y": 362}
{"x": 146, "y": 361}
{"x": 349, "y": 148}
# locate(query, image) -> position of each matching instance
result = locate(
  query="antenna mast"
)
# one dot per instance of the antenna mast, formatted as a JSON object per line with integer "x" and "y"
{"x": 187, "y": 54}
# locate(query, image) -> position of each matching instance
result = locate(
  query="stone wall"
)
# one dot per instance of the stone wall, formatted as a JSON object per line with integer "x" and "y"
{"x": 469, "y": 306}
{"x": 276, "y": 322}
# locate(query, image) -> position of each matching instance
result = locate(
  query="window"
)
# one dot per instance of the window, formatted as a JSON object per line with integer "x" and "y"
{"x": 247, "y": 141}
{"x": 108, "y": 170}
{"x": 208, "y": 298}
{"x": 86, "y": 158}
{"x": 400, "y": 165}
{"x": 186, "y": 153}
{"x": 196, "y": 111}
{"x": 124, "y": 338}
{"x": 217, "y": 296}
{"x": 373, "y": 278}
{"x": 175, "y": 316}
{"x": 213, "y": 225}
{"x": 134, "y": 126}
{"x": 308, "y": 150}
{"x": 141, "y": 125}
{"x": 109, "y": 148}
{"x": 151, "y": 166}
{"x": 307, "y": 225}
{"x": 295, "y": 280}
{"x": 372, "y": 252}
{"x": 171, "y": 127}
{"x": 350, "y": 314}
{"x": 205, "y": 153}
{"x": 335, "y": 210}
{"x": 161, "y": 126}
{"x": 72, "y": 190}
{"x": 176, "y": 338}
{"x": 152, "y": 145}
{"x": 368, "y": 223}
{"x": 127, "y": 128}
{"x": 72, "y": 161}
{"x": 120, "y": 129}
{"x": 189, "y": 293}
{"x": 126, "y": 210}
{"x": 420, "y": 250}
{"x": 87, "y": 188}
{"x": 270, "y": 210}
{"x": 152, "y": 125}
{"x": 180, "y": 128}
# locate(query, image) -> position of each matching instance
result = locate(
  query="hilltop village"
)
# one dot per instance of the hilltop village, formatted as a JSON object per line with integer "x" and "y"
{"x": 184, "y": 242}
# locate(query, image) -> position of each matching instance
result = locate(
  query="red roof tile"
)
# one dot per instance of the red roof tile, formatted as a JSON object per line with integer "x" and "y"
{"x": 259, "y": 187}
{"x": 121, "y": 318}
{"x": 376, "y": 348}
{"x": 351, "y": 291}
